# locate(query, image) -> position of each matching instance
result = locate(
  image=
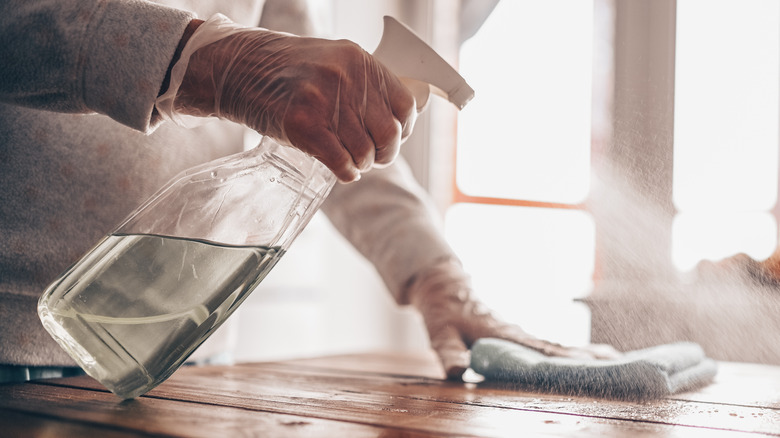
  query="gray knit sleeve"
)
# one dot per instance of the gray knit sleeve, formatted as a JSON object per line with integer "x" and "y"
{"x": 85, "y": 56}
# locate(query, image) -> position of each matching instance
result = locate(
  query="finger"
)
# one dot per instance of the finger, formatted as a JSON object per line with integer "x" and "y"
{"x": 553, "y": 349}
{"x": 603, "y": 351}
{"x": 408, "y": 126}
{"x": 390, "y": 114}
{"x": 356, "y": 140}
{"x": 401, "y": 102}
{"x": 513, "y": 333}
{"x": 326, "y": 147}
{"x": 385, "y": 131}
{"x": 453, "y": 353}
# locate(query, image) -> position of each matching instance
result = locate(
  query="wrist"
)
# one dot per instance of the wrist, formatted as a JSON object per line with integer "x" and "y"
{"x": 443, "y": 278}
{"x": 188, "y": 31}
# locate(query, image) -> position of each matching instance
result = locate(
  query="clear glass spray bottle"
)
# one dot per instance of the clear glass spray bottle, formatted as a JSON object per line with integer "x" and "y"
{"x": 143, "y": 299}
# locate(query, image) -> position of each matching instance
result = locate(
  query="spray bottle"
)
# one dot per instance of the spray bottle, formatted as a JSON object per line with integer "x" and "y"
{"x": 143, "y": 299}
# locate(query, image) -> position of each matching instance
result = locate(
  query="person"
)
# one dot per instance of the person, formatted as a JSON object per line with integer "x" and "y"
{"x": 743, "y": 268}
{"x": 83, "y": 141}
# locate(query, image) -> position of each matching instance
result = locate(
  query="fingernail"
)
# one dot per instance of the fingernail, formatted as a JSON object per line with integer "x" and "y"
{"x": 455, "y": 372}
{"x": 355, "y": 176}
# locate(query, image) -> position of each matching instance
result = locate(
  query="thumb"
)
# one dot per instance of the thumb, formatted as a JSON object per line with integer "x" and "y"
{"x": 452, "y": 351}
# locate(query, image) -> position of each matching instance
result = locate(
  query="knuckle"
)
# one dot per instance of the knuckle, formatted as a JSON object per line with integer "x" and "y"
{"x": 336, "y": 159}
{"x": 388, "y": 142}
{"x": 298, "y": 117}
{"x": 349, "y": 49}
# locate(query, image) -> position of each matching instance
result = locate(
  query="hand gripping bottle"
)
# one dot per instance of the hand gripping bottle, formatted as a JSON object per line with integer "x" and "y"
{"x": 143, "y": 299}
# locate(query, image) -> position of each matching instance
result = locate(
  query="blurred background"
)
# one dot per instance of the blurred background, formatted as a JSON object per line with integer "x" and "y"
{"x": 611, "y": 146}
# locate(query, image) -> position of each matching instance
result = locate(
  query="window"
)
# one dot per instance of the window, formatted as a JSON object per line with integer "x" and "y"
{"x": 696, "y": 116}
{"x": 726, "y": 129}
{"x": 523, "y": 166}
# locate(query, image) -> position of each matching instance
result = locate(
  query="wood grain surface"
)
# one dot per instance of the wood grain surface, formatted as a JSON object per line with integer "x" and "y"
{"x": 380, "y": 395}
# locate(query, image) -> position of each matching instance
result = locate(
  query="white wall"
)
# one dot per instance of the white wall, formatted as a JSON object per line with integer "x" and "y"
{"x": 323, "y": 298}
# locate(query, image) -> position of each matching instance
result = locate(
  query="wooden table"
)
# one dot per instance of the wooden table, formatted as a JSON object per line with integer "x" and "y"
{"x": 379, "y": 395}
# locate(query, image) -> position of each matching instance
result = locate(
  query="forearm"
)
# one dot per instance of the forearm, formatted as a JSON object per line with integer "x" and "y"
{"x": 388, "y": 217}
{"x": 108, "y": 57}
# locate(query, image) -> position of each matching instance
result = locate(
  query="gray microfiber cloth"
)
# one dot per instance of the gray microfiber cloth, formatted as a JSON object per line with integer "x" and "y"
{"x": 641, "y": 374}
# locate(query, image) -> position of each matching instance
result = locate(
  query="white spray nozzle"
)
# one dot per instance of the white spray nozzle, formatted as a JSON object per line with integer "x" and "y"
{"x": 421, "y": 69}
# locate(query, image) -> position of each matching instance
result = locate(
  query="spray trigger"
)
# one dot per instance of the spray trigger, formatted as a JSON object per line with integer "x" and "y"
{"x": 420, "y": 68}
